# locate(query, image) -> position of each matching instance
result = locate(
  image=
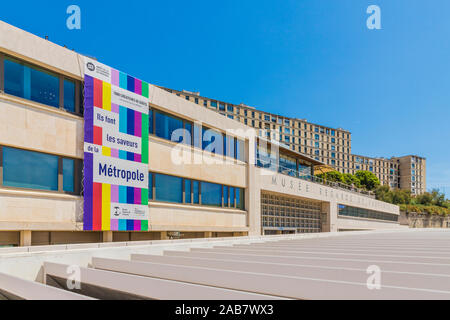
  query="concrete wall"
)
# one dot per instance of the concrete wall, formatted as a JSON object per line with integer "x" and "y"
{"x": 28, "y": 125}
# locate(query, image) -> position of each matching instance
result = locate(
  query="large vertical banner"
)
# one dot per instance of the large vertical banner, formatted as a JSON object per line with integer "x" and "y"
{"x": 115, "y": 150}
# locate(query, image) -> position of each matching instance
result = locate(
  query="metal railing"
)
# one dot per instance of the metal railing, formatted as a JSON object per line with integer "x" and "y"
{"x": 308, "y": 177}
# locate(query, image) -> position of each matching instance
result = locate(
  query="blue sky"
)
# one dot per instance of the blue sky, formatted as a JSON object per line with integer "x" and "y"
{"x": 312, "y": 59}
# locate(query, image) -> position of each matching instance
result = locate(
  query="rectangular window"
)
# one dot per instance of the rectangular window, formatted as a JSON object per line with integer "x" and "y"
{"x": 187, "y": 190}
{"x": 165, "y": 125}
{"x": 240, "y": 150}
{"x": 168, "y": 188}
{"x": 150, "y": 186}
{"x": 211, "y": 194}
{"x": 229, "y": 146}
{"x": 240, "y": 198}
{"x": 229, "y": 108}
{"x": 232, "y": 197}
{"x": 214, "y": 104}
{"x": 150, "y": 122}
{"x": 69, "y": 95}
{"x": 68, "y": 175}
{"x": 225, "y": 196}
{"x": 196, "y": 191}
{"x": 30, "y": 170}
{"x": 221, "y": 106}
{"x": 212, "y": 141}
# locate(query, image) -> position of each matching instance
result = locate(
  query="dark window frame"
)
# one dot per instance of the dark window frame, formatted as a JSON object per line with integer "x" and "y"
{"x": 61, "y": 78}
{"x": 77, "y": 174}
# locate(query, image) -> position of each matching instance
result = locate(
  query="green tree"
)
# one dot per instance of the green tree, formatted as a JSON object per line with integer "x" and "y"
{"x": 351, "y": 180}
{"x": 401, "y": 196}
{"x": 367, "y": 179}
{"x": 332, "y": 176}
{"x": 385, "y": 194}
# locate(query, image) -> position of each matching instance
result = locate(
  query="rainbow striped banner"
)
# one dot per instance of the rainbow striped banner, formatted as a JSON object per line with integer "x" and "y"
{"x": 115, "y": 150}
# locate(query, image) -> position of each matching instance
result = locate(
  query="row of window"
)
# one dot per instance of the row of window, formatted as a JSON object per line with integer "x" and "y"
{"x": 179, "y": 130}
{"x": 365, "y": 213}
{"x": 174, "y": 189}
{"x": 40, "y": 171}
{"x": 33, "y": 83}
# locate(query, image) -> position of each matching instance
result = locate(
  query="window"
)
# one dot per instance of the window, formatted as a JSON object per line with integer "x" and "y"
{"x": 240, "y": 198}
{"x": 211, "y": 194}
{"x": 69, "y": 95}
{"x": 187, "y": 190}
{"x": 212, "y": 141}
{"x": 165, "y": 125}
{"x": 240, "y": 150}
{"x": 31, "y": 83}
{"x": 333, "y": 140}
{"x": 168, "y": 188}
{"x": 221, "y": 106}
{"x": 229, "y": 108}
{"x": 266, "y": 117}
{"x": 196, "y": 100}
{"x": 30, "y": 170}
{"x": 68, "y": 175}
{"x": 150, "y": 186}
{"x": 39, "y": 171}
{"x": 226, "y": 197}
{"x": 229, "y": 146}
{"x": 316, "y": 137}
{"x": 214, "y": 104}
{"x": 196, "y": 191}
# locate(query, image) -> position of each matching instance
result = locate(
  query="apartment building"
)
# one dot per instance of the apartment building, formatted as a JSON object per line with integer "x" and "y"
{"x": 411, "y": 173}
{"x": 244, "y": 185}
{"x": 329, "y": 145}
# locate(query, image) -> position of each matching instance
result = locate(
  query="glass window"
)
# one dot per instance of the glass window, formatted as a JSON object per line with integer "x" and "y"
{"x": 240, "y": 198}
{"x": 221, "y": 107}
{"x": 225, "y": 196}
{"x": 187, "y": 133}
{"x": 240, "y": 150}
{"x": 229, "y": 146}
{"x": 214, "y": 104}
{"x": 212, "y": 141}
{"x": 68, "y": 175}
{"x": 232, "y": 196}
{"x": 288, "y": 165}
{"x": 211, "y": 194}
{"x": 14, "y": 79}
{"x": 187, "y": 190}
{"x": 150, "y": 122}
{"x": 229, "y": 108}
{"x": 195, "y": 191}
{"x": 168, "y": 188}
{"x": 27, "y": 169}
{"x": 150, "y": 186}
{"x": 165, "y": 125}
{"x": 69, "y": 95}
{"x": 197, "y": 136}
{"x": 44, "y": 87}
